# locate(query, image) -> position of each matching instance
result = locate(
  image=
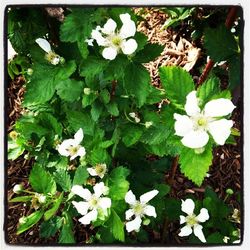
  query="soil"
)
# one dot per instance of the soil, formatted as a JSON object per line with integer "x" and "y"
{"x": 224, "y": 173}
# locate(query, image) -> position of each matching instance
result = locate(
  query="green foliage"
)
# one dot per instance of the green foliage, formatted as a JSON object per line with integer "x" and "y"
{"x": 62, "y": 178}
{"x": 66, "y": 233}
{"x": 81, "y": 175}
{"x": 50, "y": 227}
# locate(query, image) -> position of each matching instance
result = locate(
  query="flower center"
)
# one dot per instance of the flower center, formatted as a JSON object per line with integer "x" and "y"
{"x": 52, "y": 57}
{"x": 191, "y": 220}
{"x": 138, "y": 208}
{"x": 93, "y": 202}
{"x": 73, "y": 150}
{"x": 202, "y": 121}
{"x": 116, "y": 41}
{"x": 99, "y": 169}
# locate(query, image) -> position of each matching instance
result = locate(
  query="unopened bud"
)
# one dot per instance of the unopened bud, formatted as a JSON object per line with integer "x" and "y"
{"x": 87, "y": 91}
{"x": 148, "y": 124}
{"x": 30, "y": 71}
{"x": 146, "y": 222}
{"x": 229, "y": 191}
{"x": 18, "y": 188}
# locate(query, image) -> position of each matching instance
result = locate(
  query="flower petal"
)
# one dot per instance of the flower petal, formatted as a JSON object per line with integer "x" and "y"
{"x": 185, "y": 231}
{"x": 220, "y": 130}
{"x": 150, "y": 211}
{"x": 81, "y": 207}
{"x": 81, "y": 152}
{"x": 183, "y": 124}
{"x": 97, "y": 35}
{"x": 195, "y": 139}
{"x": 109, "y": 27}
{"x": 105, "y": 202}
{"x": 134, "y": 224}
{"x": 109, "y": 53}
{"x": 187, "y": 206}
{"x": 79, "y": 136}
{"x": 64, "y": 146}
{"x": 182, "y": 219}
{"x": 44, "y": 44}
{"x": 91, "y": 216}
{"x": 92, "y": 171}
{"x": 198, "y": 232}
{"x": 129, "y": 213}
{"x": 99, "y": 189}
{"x": 203, "y": 215}
{"x": 191, "y": 106}
{"x": 148, "y": 196}
{"x": 219, "y": 107}
{"x": 82, "y": 192}
{"x": 129, "y": 47}
{"x": 130, "y": 197}
{"x": 128, "y": 28}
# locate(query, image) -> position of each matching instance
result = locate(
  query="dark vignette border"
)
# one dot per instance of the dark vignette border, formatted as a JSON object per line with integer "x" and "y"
{"x": 5, "y": 28}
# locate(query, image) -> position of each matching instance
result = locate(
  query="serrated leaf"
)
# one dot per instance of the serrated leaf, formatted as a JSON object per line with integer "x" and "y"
{"x": 96, "y": 111}
{"x": 131, "y": 134}
{"x": 81, "y": 175}
{"x": 87, "y": 100}
{"x": 41, "y": 181}
{"x": 163, "y": 190}
{"x": 112, "y": 108}
{"x": 50, "y": 227}
{"x": 105, "y": 96}
{"x": 195, "y": 166}
{"x": 177, "y": 82}
{"x": 99, "y": 155}
{"x": 62, "y": 178}
{"x": 31, "y": 220}
{"x": 69, "y": 90}
{"x": 66, "y": 234}
{"x": 14, "y": 150}
{"x": 234, "y": 72}
{"x": 137, "y": 82}
{"x": 220, "y": 43}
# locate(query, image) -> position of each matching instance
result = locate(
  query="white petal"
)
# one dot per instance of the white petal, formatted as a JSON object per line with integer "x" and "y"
{"x": 99, "y": 188}
{"x": 219, "y": 107}
{"x": 129, "y": 47}
{"x": 91, "y": 216}
{"x": 198, "y": 232}
{"x": 11, "y": 51}
{"x": 105, "y": 202}
{"x": 92, "y": 171}
{"x": 63, "y": 147}
{"x": 150, "y": 211}
{"x": 44, "y": 44}
{"x": 134, "y": 224}
{"x": 129, "y": 213}
{"x": 128, "y": 28}
{"x": 187, "y": 206}
{"x": 195, "y": 139}
{"x": 81, "y": 152}
{"x": 109, "y": 27}
{"x": 148, "y": 196}
{"x": 220, "y": 130}
{"x": 130, "y": 197}
{"x": 109, "y": 53}
{"x": 203, "y": 215}
{"x": 183, "y": 124}
{"x": 78, "y": 136}
{"x": 82, "y": 192}
{"x": 191, "y": 106}
{"x": 89, "y": 42}
{"x": 97, "y": 35}
{"x": 185, "y": 231}
{"x": 182, "y": 219}
{"x": 81, "y": 207}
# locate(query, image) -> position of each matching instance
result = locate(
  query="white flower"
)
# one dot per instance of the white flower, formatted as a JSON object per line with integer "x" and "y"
{"x": 139, "y": 209}
{"x": 115, "y": 41}
{"x": 11, "y": 51}
{"x": 40, "y": 197}
{"x": 72, "y": 147}
{"x": 18, "y": 188}
{"x": 93, "y": 203}
{"x": 194, "y": 126}
{"x": 226, "y": 239}
{"x": 98, "y": 170}
{"x": 51, "y": 56}
{"x": 148, "y": 124}
{"x": 135, "y": 117}
{"x": 192, "y": 221}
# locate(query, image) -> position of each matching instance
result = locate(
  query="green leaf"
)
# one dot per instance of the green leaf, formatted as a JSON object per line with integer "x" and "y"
{"x": 22, "y": 198}
{"x": 99, "y": 155}
{"x": 88, "y": 99}
{"x": 234, "y": 72}
{"x": 148, "y": 53}
{"x": 14, "y": 150}
{"x": 131, "y": 134}
{"x": 112, "y": 108}
{"x": 82, "y": 120}
{"x": 220, "y": 43}
{"x": 173, "y": 208}
{"x": 117, "y": 181}
{"x": 96, "y": 111}
{"x": 69, "y": 90}
{"x": 177, "y": 82}
{"x": 105, "y": 96}
{"x": 31, "y": 220}
{"x": 215, "y": 238}
{"x": 195, "y": 166}
{"x": 62, "y": 178}
{"x": 56, "y": 204}
{"x": 41, "y": 181}
{"x": 163, "y": 190}
{"x": 44, "y": 80}
{"x": 116, "y": 226}
{"x": 137, "y": 82}
{"x": 81, "y": 176}
{"x": 66, "y": 234}
{"x": 50, "y": 227}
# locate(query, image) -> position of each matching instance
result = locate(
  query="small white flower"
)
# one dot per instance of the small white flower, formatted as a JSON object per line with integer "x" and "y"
{"x": 135, "y": 117}
{"x": 148, "y": 124}
{"x": 18, "y": 188}
{"x": 51, "y": 56}
{"x": 93, "y": 204}
{"x": 40, "y": 197}
{"x": 226, "y": 239}
{"x": 98, "y": 170}
{"x": 89, "y": 42}
{"x": 192, "y": 221}
{"x": 115, "y": 41}
{"x": 139, "y": 209}
{"x": 194, "y": 126}
{"x": 72, "y": 147}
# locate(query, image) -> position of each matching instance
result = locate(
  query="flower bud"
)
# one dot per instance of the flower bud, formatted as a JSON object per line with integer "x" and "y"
{"x": 13, "y": 135}
{"x": 18, "y": 188}
{"x": 146, "y": 222}
{"x": 41, "y": 198}
{"x": 229, "y": 191}
{"x": 148, "y": 124}
{"x": 30, "y": 71}
{"x": 87, "y": 91}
